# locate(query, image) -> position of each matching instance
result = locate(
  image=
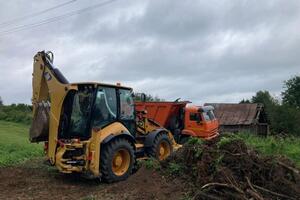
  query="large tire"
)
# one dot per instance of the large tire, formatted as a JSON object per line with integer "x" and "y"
{"x": 117, "y": 160}
{"x": 161, "y": 147}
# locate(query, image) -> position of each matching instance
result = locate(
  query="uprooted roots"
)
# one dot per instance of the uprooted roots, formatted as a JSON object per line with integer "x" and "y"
{"x": 228, "y": 169}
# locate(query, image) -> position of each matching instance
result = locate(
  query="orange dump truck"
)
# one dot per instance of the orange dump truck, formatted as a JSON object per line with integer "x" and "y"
{"x": 182, "y": 119}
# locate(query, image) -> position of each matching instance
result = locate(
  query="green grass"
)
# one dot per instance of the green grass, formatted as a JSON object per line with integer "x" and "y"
{"x": 270, "y": 145}
{"x": 90, "y": 197}
{"x": 150, "y": 163}
{"x": 15, "y": 147}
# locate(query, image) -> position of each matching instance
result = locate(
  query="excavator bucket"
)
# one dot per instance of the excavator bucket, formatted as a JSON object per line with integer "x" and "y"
{"x": 39, "y": 129}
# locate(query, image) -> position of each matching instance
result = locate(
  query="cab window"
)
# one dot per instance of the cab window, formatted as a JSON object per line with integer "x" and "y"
{"x": 105, "y": 107}
{"x": 206, "y": 116}
{"x": 211, "y": 115}
{"x": 126, "y": 105}
{"x": 195, "y": 117}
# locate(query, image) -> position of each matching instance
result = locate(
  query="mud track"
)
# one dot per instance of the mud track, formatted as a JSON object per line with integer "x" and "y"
{"x": 34, "y": 180}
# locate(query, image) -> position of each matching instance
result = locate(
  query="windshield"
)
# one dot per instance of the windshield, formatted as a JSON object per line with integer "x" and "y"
{"x": 105, "y": 108}
{"x": 208, "y": 115}
{"x": 211, "y": 115}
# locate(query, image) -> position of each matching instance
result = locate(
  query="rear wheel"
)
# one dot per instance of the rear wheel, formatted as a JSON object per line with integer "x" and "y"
{"x": 117, "y": 160}
{"x": 161, "y": 147}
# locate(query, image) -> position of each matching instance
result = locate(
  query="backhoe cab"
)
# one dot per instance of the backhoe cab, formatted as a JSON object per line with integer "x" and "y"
{"x": 91, "y": 128}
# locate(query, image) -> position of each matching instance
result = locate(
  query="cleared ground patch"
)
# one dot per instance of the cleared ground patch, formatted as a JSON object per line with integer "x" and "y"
{"x": 34, "y": 180}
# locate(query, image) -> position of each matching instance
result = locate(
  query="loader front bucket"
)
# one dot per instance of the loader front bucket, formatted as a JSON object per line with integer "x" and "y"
{"x": 39, "y": 129}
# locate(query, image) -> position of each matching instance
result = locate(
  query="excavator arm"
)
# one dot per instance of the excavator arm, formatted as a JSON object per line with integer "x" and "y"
{"x": 49, "y": 88}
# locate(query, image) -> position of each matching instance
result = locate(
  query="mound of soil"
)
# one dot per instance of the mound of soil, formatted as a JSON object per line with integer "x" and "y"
{"x": 227, "y": 169}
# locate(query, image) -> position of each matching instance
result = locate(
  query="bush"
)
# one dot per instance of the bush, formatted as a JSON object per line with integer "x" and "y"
{"x": 283, "y": 118}
{"x": 20, "y": 113}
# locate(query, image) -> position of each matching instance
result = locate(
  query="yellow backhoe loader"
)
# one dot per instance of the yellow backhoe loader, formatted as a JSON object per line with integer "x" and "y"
{"x": 91, "y": 128}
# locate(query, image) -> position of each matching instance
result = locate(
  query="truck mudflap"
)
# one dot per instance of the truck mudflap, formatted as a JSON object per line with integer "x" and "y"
{"x": 39, "y": 129}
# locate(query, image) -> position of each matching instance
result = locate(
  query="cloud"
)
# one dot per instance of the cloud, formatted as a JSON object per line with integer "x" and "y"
{"x": 203, "y": 51}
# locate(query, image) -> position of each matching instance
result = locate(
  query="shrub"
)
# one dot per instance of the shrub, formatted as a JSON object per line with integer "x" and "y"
{"x": 20, "y": 113}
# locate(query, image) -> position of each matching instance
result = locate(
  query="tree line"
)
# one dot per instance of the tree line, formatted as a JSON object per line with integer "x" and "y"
{"x": 20, "y": 113}
{"x": 283, "y": 115}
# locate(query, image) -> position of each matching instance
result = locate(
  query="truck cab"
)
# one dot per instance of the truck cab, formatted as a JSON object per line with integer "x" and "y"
{"x": 200, "y": 122}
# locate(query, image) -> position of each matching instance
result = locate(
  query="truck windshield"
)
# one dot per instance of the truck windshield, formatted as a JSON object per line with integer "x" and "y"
{"x": 206, "y": 116}
{"x": 209, "y": 115}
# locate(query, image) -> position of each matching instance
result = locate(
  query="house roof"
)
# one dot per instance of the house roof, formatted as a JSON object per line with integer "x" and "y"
{"x": 237, "y": 114}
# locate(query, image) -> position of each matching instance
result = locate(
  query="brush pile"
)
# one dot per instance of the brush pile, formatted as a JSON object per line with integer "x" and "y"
{"x": 227, "y": 169}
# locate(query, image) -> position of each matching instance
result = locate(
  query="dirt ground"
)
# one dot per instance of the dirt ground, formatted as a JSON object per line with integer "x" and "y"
{"x": 225, "y": 168}
{"x": 33, "y": 180}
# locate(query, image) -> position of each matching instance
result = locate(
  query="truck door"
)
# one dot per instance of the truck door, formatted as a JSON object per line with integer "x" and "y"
{"x": 194, "y": 123}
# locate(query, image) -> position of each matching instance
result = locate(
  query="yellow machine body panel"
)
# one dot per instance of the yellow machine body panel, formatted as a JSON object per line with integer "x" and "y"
{"x": 46, "y": 86}
{"x": 97, "y": 138}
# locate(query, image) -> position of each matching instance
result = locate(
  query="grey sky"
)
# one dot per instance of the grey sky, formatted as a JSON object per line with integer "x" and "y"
{"x": 203, "y": 51}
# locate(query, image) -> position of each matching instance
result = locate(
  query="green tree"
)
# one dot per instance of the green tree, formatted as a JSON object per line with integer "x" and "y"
{"x": 1, "y": 102}
{"x": 245, "y": 101}
{"x": 270, "y": 105}
{"x": 291, "y": 94}
{"x": 285, "y": 119}
{"x": 265, "y": 98}
{"x": 146, "y": 97}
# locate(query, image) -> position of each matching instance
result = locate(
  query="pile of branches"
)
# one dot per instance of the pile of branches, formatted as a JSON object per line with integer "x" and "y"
{"x": 227, "y": 169}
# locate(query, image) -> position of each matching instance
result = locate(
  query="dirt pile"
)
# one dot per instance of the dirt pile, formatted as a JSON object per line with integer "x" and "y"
{"x": 227, "y": 169}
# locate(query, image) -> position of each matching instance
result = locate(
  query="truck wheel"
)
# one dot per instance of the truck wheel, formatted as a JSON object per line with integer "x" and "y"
{"x": 117, "y": 160}
{"x": 161, "y": 147}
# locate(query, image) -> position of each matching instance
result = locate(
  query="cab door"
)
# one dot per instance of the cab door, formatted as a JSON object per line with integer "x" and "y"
{"x": 194, "y": 123}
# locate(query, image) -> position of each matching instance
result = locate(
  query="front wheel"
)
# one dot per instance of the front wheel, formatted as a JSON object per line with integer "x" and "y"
{"x": 161, "y": 147}
{"x": 117, "y": 160}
